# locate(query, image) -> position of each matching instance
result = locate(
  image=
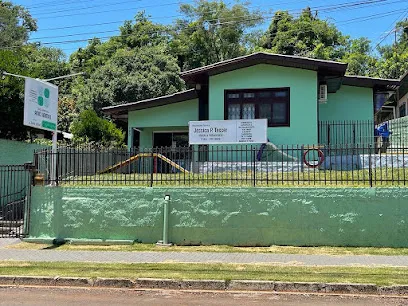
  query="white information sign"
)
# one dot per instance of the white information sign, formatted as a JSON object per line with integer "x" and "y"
{"x": 40, "y": 104}
{"x": 228, "y": 131}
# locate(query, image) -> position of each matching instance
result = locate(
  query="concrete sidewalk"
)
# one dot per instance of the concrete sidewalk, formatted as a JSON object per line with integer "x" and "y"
{"x": 195, "y": 257}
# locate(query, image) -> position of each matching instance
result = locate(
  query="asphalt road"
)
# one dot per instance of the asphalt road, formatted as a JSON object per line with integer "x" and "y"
{"x": 92, "y": 297}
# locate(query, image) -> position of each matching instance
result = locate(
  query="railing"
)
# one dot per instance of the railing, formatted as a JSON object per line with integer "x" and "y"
{"x": 346, "y": 132}
{"x": 361, "y": 132}
{"x": 15, "y": 182}
{"x": 300, "y": 165}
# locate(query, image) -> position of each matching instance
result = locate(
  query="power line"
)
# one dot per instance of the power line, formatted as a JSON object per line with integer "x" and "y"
{"x": 321, "y": 8}
{"x": 369, "y": 17}
{"x": 123, "y": 20}
{"x": 126, "y": 35}
{"x": 333, "y": 7}
{"x": 226, "y": 22}
{"x": 53, "y": 3}
{"x": 108, "y": 11}
{"x": 404, "y": 14}
{"x": 107, "y": 37}
{"x": 84, "y": 8}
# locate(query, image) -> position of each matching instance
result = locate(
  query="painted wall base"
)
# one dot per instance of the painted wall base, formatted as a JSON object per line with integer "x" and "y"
{"x": 233, "y": 216}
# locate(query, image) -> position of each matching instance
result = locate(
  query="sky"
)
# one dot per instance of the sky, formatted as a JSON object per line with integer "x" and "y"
{"x": 67, "y": 24}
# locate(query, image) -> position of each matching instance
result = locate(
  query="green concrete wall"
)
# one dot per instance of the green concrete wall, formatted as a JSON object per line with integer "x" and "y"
{"x": 349, "y": 103}
{"x": 13, "y": 184}
{"x": 172, "y": 117}
{"x": 234, "y": 216}
{"x": 17, "y": 152}
{"x": 303, "y": 98}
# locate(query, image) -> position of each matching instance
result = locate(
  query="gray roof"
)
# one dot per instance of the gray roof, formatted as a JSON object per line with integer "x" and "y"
{"x": 200, "y": 74}
{"x": 148, "y": 103}
{"x": 378, "y": 83}
{"x": 331, "y": 71}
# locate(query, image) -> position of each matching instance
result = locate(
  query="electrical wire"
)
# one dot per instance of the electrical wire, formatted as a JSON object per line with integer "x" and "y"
{"x": 401, "y": 18}
{"x": 219, "y": 23}
{"x": 332, "y": 7}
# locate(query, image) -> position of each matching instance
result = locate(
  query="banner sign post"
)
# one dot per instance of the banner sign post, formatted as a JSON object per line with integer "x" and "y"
{"x": 40, "y": 105}
{"x": 228, "y": 131}
{"x": 41, "y": 112}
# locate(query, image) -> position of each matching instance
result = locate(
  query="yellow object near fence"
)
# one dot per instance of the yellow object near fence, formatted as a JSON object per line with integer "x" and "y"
{"x": 140, "y": 155}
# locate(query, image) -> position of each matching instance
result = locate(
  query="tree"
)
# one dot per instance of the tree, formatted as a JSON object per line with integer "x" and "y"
{"x": 306, "y": 35}
{"x": 141, "y": 32}
{"x": 210, "y": 32}
{"x": 19, "y": 57}
{"x": 133, "y": 66}
{"x": 11, "y": 97}
{"x": 45, "y": 63}
{"x": 130, "y": 75}
{"x": 88, "y": 128}
{"x": 359, "y": 58}
{"x": 16, "y": 24}
{"x": 67, "y": 113}
{"x": 393, "y": 61}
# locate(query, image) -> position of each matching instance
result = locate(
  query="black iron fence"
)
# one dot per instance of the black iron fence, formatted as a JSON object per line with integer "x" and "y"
{"x": 346, "y": 132}
{"x": 266, "y": 165}
{"x": 15, "y": 183}
{"x": 362, "y": 132}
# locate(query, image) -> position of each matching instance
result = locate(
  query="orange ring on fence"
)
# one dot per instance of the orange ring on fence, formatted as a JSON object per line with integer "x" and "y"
{"x": 321, "y": 158}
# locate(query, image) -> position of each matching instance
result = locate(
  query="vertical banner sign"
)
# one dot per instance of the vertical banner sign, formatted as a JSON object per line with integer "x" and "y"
{"x": 40, "y": 105}
{"x": 228, "y": 131}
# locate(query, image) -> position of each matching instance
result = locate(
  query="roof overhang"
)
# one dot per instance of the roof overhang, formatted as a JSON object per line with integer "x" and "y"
{"x": 403, "y": 90}
{"x": 323, "y": 67}
{"x": 121, "y": 111}
{"x": 375, "y": 83}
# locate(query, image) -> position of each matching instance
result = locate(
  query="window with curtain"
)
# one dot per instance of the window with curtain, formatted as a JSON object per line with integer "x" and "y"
{"x": 271, "y": 104}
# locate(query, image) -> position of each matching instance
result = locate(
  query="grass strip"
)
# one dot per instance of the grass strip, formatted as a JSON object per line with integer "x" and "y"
{"x": 375, "y": 275}
{"x": 144, "y": 247}
{"x": 384, "y": 177}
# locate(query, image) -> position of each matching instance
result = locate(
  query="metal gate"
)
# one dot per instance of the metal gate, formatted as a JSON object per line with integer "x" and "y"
{"x": 15, "y": 190}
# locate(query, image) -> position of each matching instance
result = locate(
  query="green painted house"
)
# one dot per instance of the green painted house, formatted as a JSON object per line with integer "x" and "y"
{"x": 297, "y": 95}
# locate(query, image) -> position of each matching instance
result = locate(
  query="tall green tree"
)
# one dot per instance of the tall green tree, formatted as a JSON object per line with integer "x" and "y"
{"x": 20, "y": 57}
{"x": 130, "y": 75}
{"x": 45, "y": 62}
{"x": 212, "y": 31}
{"x": 132, "y": 66}
{"x": 393, "y": 61}
{"x": 306, "y": 35}
{"x": 16, "y": 24}
{"x": 360, "y": 58}
{"x": 11, "y": 97}
{"x": 67, "y": 112}
{"x": 134, "y": 34}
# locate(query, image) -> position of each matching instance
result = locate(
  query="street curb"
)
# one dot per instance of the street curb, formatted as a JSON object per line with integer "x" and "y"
{"x": 216, "y": 285}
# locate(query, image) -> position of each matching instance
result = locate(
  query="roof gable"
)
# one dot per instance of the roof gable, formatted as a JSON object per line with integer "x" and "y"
{"x": 201, "y": 74}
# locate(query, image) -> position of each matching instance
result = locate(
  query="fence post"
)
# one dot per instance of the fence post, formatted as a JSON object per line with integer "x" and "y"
{"x": 254, "y": 164}
{"x": 152, "y": 169}
{"x": 328, "y": 134}
{"x": 56, "y": 167}
{"x": 370, "y": 171}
